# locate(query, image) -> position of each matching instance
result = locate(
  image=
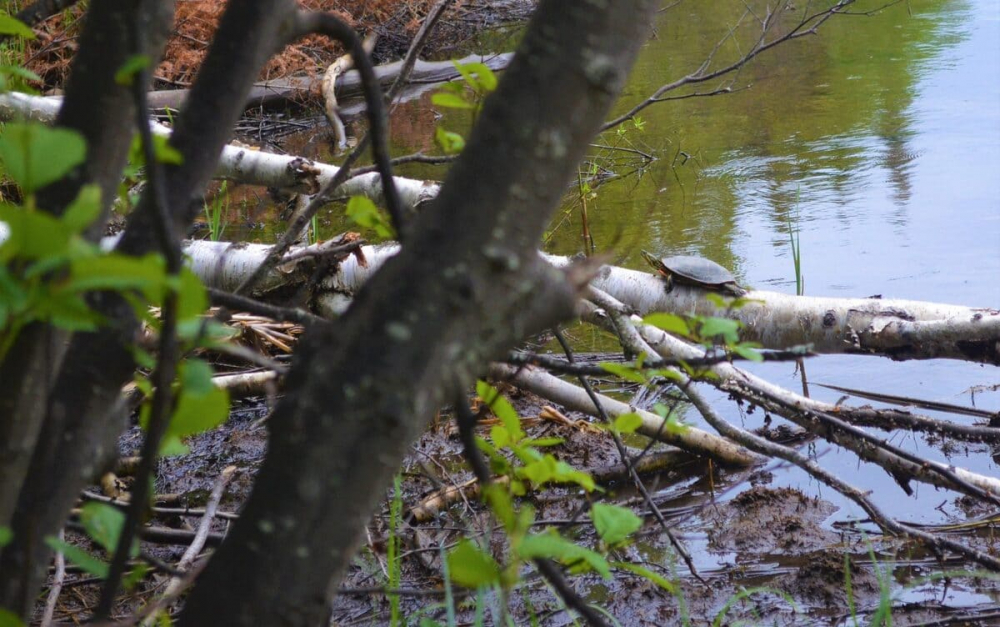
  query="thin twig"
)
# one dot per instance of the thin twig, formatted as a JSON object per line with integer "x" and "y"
{"x": 177, "y": 582}
{"x": 807, "y": 26}
{"x": 627, "y": 462}
{"x": 163, "y": 375}
{"x": 235, "y": 302}
{"x": 57, "y": 585}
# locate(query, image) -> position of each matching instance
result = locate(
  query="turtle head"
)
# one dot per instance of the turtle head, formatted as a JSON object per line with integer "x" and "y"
{"x": 655, "y": 262}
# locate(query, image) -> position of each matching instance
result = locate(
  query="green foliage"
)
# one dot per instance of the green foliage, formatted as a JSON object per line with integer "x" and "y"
{"x": 470, "y": 567}
{"x": 95, "y": 566}
{"x": 710, "y": 331}
{"x": 450, "y": 143}
{"x": 103, "y": 523}
{"x": 6, "y": 535}
{"x": 16, "y": 78}
{"x": 363, "y": 212}
{"x": 9, "y": 619}
{"x": 626, "y": 423}
{"x": 478, "y": 80}
{"x": 513, "y": 454}
{"x": 132, "y": 66}
{"x": 614, "y": 523}
{"x": 551, "y": 545}
{"x": 395, "y": 565}
{"x": 200, "y": 406}
{"x": 35, "y": 155}
{"x": 12, "y": 26}
{"x": 215, "y": 213}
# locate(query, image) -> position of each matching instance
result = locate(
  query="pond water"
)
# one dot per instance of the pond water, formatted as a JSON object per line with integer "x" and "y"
{"x": 877, "y": 142}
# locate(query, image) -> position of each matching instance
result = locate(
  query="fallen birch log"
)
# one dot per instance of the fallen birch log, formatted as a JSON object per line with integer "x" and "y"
{"x": 243, "y": 164}
{"x": 653, "y": 426}
{"x": 900, "y": 329}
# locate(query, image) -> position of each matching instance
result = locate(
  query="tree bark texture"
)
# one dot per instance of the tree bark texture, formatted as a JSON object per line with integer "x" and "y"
{"x": 101, "y": 110}
{"x": 467, "y": 286}
{"x": 82, "y": 417}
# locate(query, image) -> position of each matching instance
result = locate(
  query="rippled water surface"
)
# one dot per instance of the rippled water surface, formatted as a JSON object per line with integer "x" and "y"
{"x": 877, "y": 142}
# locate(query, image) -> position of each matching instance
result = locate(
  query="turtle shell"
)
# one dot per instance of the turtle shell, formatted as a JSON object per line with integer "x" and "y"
{"x": 696, "y": 271}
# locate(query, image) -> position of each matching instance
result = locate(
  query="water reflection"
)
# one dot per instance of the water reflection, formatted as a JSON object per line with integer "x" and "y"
{"x": 829, "y": 137}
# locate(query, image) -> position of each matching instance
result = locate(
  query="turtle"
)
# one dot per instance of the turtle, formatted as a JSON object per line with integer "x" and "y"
{"x": 696, "y": 271}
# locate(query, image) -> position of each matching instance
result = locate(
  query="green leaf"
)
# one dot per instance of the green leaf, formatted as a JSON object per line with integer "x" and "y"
{"x": 645, "y": 573}
{"x": 25, "y": 76}
{"x": 542, "y": 441}
{"x": 501, "y": 505}
{"x": 78, "y": 556}
{"x": 84, "y": 209}
{"x": 451, "y": 101}
{"x": 500, "y": 406}
{"x": 449, "y": 142}
{"x": 103, "y": 523}
{"x": 627, "y": 423}
{"x": 479, "y": 76}
{"x": 363, "y": 212}
{"x": 6, "y": 535}
{"x": 120, "y": 272}
{"x": 195, "y": 413}
{"x": 138, "y": 574}
{"x": 192, "y": 297}
{"x": 549, "y": 469}
{"x": 614, "y": 523}
{"x": 33, "y": 234}
{"x": 171, "y": 446}
{"x": 748, "y": 353}
{"x": 13, "y": 26}
{"x": 728, "y": 329}
{"x": 624, "y": 371}
{"x": 500, "y": 436}
{"x": 671, "y": 323}
{"x": 196, "y": 376}
{"x": 20, "y": 72}
{"x": 551, "y": 545}
{"x": 9, "y": 619}
{"x": 429, "y": 622}
{"x": 165, "y": 153}
{"x": 470, "y": 567}
{"x": 35, "y": 155}
{"x": 717, "y": 299}
{"x": 132, "y": 66}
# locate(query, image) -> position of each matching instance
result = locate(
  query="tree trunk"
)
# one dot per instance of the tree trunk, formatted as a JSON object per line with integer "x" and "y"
{"x": 36, "y": 416}
{"x": 466, "y": 287}
{"x": 82, "y": 416}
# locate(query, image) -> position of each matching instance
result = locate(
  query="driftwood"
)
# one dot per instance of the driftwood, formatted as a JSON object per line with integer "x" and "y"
{"x": 283, "y": 91}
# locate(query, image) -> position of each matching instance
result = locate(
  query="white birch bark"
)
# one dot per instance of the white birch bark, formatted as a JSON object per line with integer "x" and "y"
{"x": 898, "y": 328}
{"x": 243, "y": 164}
